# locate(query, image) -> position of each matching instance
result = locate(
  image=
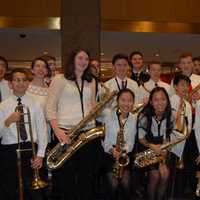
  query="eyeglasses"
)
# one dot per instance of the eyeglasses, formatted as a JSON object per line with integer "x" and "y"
{"x": 18, "y": 80}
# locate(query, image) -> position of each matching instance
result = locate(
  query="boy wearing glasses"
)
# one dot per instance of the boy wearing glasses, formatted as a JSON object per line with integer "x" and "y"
{"x": 9, "y": 116}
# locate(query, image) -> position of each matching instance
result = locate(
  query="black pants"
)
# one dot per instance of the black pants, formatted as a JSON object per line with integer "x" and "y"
{"x": 9, "y": 186}
{"x": 116, "y": 188}
{"x": 186, "y": 178}
{"x": 75, "y": 179}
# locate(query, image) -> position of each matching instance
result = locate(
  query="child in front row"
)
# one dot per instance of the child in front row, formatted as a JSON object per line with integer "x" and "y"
{"x": 9, "y": 116}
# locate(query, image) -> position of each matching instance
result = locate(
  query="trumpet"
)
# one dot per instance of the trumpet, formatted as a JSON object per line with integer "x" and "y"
{"x": 37, "y": 182}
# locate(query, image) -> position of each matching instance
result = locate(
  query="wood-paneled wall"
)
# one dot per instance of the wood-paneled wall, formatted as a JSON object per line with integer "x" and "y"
{"x": 184, "y": 11}
{"x": 30, "y": 8}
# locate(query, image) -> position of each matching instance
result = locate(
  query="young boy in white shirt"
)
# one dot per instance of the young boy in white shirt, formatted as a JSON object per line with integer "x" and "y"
{"x": 10, "y": 139}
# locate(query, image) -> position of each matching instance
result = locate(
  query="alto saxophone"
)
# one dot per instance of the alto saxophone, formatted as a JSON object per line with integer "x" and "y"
{"x": 123, "y": 160}
{"x": 149, "y": 157}
{"x": 62, "y": 152}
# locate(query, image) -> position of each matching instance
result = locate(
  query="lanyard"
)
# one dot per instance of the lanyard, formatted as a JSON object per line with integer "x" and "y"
{"x": 119, "y": 86}
{"x": 121, "y": 125}
{"x": 80, "y": 90}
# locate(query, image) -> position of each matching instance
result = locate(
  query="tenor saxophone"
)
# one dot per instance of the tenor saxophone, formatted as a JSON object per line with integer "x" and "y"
{"x": 62, "y": 152}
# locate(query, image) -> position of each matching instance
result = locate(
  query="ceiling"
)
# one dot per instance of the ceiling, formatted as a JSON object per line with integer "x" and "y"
{"x": 25, "y": 44}
{"x": 166, "y": 47}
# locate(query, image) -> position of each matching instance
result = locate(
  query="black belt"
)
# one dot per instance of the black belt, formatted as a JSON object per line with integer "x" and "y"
{"x": 23, "y": 145}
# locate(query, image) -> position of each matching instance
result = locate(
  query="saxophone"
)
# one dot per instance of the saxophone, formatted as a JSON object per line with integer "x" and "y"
{"x": 149, "y": 157}
{"x": 194, "y": 90}
{"x": 62, "y": 152}
{"x": 137, "y": 108}
{"x": 123, "y": 160}
{"x": 180, "y": 125}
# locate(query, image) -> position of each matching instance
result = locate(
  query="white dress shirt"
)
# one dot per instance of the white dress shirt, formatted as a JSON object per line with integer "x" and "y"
{"x": 38, "y": 122}
{"x": 4, "y": 89}
{"x": 131, "y": 84}
{"x": 112, "y": 128}
{"x": 149, "y": 86}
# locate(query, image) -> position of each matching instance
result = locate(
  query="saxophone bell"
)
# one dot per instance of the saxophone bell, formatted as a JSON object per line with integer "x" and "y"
{"x": 123, "y": 160}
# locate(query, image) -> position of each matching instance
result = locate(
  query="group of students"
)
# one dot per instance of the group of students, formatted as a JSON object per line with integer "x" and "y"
{"x": 57, "y": 107}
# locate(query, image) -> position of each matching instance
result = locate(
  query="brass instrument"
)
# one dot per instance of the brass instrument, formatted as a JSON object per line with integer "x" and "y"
{"x": 143, "y": 85}
{"x": 194, "y": 90}
{"x": 37, "y": 182}
{"x": 149, "y": 157}
{"x": 62, "y": 152}
{"x": 138, "y": 107}
{"x": 181, "y": 125}
{"x": 123, "y": 160}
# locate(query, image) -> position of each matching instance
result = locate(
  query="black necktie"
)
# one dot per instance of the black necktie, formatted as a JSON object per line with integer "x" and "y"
{"x": 123, "y": 84}
{"x": 22, "y": 128}
{"x": 156, "y": 84}
{"x": 137, "y": 76}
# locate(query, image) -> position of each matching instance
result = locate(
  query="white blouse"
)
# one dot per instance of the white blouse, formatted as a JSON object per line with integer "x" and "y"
{"x": 39, "y": 93}
{"x": 112, "y": 128}
{"x": 63, "y": 102}
{"x": 158, "y": 128}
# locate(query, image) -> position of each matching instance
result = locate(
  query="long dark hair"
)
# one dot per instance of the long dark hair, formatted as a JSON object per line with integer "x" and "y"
{"x": 148, "y": 111}
{"x": 69, "y": 68}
